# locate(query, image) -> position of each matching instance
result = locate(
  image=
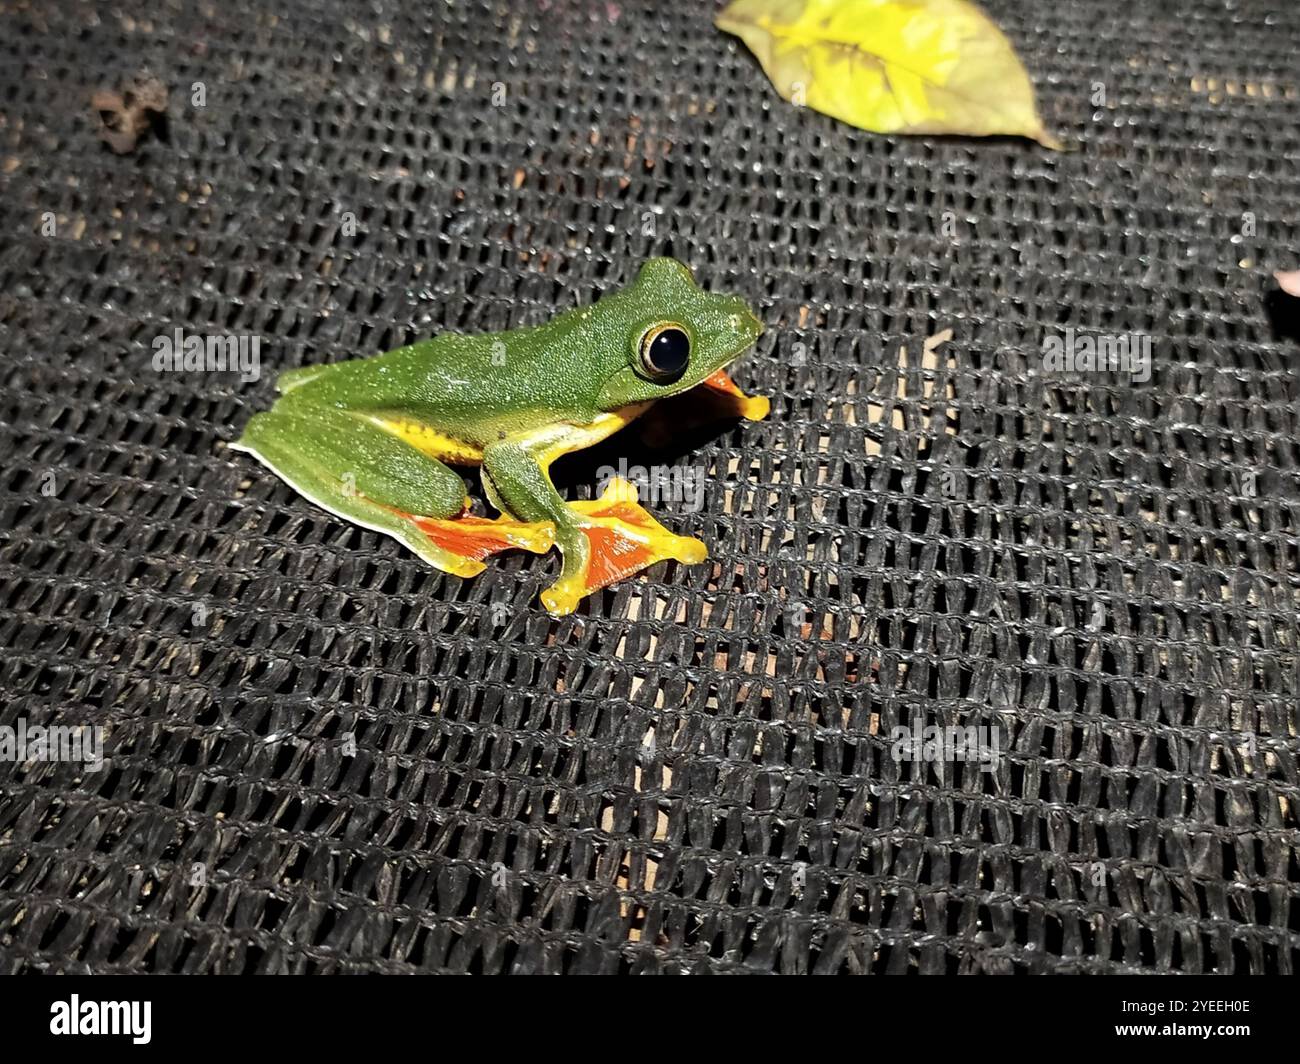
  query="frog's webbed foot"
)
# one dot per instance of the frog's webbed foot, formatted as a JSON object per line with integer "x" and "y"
{"x": 463, "y": 542}
{"x": 613, "y": 538}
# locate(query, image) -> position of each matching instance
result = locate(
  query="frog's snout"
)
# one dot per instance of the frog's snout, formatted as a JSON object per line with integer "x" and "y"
{"x": 744, "y": 320}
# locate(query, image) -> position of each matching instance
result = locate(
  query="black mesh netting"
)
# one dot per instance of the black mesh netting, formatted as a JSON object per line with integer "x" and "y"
{"x": 324, "y": 756}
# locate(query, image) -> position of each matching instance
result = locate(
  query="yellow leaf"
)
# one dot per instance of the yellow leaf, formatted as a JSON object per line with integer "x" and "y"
{"x": 892, "y": 66}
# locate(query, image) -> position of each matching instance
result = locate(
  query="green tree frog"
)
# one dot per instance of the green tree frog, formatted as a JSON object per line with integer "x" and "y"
{"x": 369, "y": 439}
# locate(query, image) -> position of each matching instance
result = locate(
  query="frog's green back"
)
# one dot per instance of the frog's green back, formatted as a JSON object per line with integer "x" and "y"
{"x": 572, "y": 369}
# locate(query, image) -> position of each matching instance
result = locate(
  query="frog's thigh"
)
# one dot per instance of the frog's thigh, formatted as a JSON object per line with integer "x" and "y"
{"x": 325, "y": 451}
{"x": 363, "y": 474}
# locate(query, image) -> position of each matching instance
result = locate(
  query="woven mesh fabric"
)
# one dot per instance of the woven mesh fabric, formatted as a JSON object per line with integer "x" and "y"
{"x": 325, "y": 757}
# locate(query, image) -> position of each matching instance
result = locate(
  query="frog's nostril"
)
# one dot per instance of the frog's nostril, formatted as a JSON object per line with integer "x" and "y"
{"x": 750, "y": 324}
{"x": 743, "y": 319}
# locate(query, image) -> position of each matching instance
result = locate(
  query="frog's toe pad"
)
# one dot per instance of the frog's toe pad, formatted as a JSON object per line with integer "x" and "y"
{"x": 623, "y": 538}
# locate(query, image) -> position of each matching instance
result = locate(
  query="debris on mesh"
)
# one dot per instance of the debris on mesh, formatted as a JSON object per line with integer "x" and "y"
{"x": 126, "y": 116}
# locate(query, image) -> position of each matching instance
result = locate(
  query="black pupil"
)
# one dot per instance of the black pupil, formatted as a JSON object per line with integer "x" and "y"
{"x": 669, "y": 353}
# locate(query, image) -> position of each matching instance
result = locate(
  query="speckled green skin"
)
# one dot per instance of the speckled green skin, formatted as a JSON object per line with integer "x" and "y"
{"x": 578, "y": 365}
{"x": 519, "y": 397}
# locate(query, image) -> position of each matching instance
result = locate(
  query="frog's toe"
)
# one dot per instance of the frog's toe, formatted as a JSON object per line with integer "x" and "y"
{"x": 622, "y": 539}
{"x": 562, "y": 598}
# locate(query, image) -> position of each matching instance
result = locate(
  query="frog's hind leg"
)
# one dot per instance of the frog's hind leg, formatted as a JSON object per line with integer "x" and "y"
{"x": 346, "y": 465}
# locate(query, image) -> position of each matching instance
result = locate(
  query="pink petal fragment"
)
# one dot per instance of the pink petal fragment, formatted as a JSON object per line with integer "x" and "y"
{"x": 1289, "y": 282}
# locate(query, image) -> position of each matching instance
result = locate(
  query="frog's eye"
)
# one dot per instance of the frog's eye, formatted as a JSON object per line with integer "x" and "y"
{"x": 665, "y": 352}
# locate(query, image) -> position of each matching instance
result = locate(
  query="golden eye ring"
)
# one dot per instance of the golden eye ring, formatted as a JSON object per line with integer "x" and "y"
{"x": 665, "y": 352}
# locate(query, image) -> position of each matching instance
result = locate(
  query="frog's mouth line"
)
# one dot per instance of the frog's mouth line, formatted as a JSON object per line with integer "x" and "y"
{"x": 750, "y": 407}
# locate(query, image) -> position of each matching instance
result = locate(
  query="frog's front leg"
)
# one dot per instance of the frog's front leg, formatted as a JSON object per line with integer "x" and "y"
{"x": 603, "y": 541}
